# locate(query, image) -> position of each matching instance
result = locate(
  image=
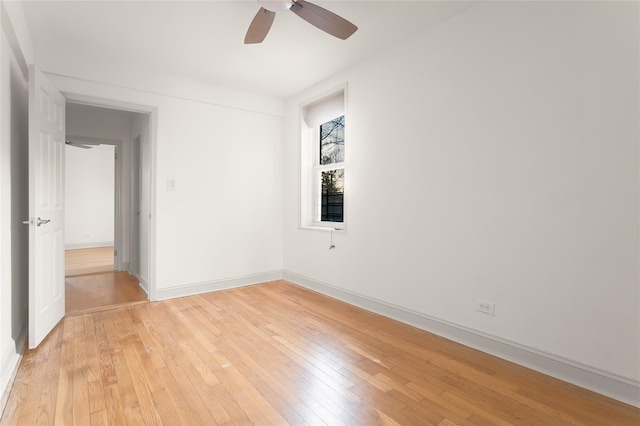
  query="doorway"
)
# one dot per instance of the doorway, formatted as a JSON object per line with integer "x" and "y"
{"x": 103, "y": 199}
{"x": 90, "y": 212}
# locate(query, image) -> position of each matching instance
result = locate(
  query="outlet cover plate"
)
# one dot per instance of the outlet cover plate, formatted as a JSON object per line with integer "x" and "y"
{"x": 486, "y": 307}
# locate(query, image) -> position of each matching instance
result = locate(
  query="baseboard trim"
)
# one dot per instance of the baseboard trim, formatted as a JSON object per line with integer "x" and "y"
{"x": 77, "y": 246}
{"x": 13, "y": 355}
{"x": 143, "y": 284}
{"x": 621, "y": 388}
{"x": 217, "y": 285}
{"x": 125, "y": 266}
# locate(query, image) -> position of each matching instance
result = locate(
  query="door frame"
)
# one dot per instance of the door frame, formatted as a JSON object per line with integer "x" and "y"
{"x": 136, "y": 183}
{"x": 152, "y": 112}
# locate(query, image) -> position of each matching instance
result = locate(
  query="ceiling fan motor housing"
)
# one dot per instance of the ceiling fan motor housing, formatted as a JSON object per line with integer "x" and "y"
{"x": 276, "y": 5}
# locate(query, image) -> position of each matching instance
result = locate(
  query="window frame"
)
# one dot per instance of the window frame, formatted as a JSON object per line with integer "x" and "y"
{"x": 318, "y": 169}
{"x": 310, "y": 201}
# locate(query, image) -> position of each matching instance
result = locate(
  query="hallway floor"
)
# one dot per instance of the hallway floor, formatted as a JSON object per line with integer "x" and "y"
{"x": 96, "y": 292}
{"x": 88, "y": 260}
{"x": 92, "y": 285}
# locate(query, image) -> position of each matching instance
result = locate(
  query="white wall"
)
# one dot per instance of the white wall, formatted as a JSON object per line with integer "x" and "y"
{"x": 89, "y": 196}
{"x": 13, "y": 201}
{"x": 224, "y": 218}
{"x": 494, "y": 157}
{"x": 222, "y": 225}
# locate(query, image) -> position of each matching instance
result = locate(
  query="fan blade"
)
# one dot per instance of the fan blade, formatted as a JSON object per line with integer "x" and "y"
{"x": 78, "y": 145}
{"x": 260, "y": 26}
{"x": 321, "y": 18}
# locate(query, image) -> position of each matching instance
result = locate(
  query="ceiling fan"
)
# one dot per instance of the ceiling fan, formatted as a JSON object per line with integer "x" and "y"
{"x": 77, "y": 145}
{"x": 321, "y": 18}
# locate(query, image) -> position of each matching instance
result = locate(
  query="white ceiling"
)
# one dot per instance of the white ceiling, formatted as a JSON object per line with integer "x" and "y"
{"x": 203, "y": 40}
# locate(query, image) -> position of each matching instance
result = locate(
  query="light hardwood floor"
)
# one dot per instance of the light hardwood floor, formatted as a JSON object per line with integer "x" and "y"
{"x": 279, "y": 354}
{"x": 88, "y": 260}
{"x": 91, "y": 284}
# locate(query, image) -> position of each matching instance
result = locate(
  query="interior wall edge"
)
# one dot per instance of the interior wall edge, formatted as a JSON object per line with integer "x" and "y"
{"x": 17, "y": 42}
{"x": 624, "y": 389}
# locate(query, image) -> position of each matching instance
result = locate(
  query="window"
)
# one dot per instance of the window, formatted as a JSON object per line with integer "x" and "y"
{"x": 323, "y": 163}
{"x": 330, "y": 171}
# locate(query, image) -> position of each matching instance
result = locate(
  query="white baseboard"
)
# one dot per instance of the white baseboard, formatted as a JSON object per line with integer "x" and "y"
{"x": 143, "y": 283}
{"x": 209, "y": 286}
{"x": 623, "y": 389}
{"x": 75, "y": 246}
{"x": 11, "y": 356}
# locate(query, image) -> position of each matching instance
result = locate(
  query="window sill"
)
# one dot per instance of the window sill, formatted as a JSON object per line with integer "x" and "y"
{"x": 338, "y": 229}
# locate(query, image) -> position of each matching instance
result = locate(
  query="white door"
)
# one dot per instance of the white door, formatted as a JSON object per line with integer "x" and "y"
{"x": 46, "y": 206}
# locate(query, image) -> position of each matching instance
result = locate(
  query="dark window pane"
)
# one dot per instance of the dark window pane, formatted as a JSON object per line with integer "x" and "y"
{"x": 332, "y": 141}
{"x": 332, "y": 207}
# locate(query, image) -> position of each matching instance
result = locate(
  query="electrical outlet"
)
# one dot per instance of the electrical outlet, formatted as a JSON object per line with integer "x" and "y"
{"x": 486, "y": 307}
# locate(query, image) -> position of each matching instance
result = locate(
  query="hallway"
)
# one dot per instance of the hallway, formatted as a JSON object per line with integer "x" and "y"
{"x": 88, "y": 260}
{"x": 92, "y": 285}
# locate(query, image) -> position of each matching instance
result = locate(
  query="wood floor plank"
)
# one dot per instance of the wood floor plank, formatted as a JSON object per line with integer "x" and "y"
{"x": 139, "y": 381}
{"x": 168, "y": 413}
{"x": 30, "y": 397}
{"x": 128, "y": 397}
{"x": 117, "y": 326}
{"x": 81, "y": 406}
{"x": 147, "y": 350}
{"x": 64, "y": 400}
{"x": 100, "y": 418}
{"x": 88, "y": 260}
{"x": 113, "y": 403}
{"x": 255, "y": 406}
{"x": 328, "y": 375}
{"x": 94, "y": 371}
{"x": 186, "y": 398}
{"x": 49, "y": 386}
{"x": 107, "y": 372}
{"x": 335, "y": 399}
{"x": 222, "y": 406}
{"x": 478, "y": 414}
{"x": 179, "y": 403}
{"x": 276, "y": 353}
{"x": 253, "y": 403}
{"x": 178, "y": 377}
{"x": 273, "y": 385}
{"x": 149, "y": 360}
{"x": 96, "y": 396}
